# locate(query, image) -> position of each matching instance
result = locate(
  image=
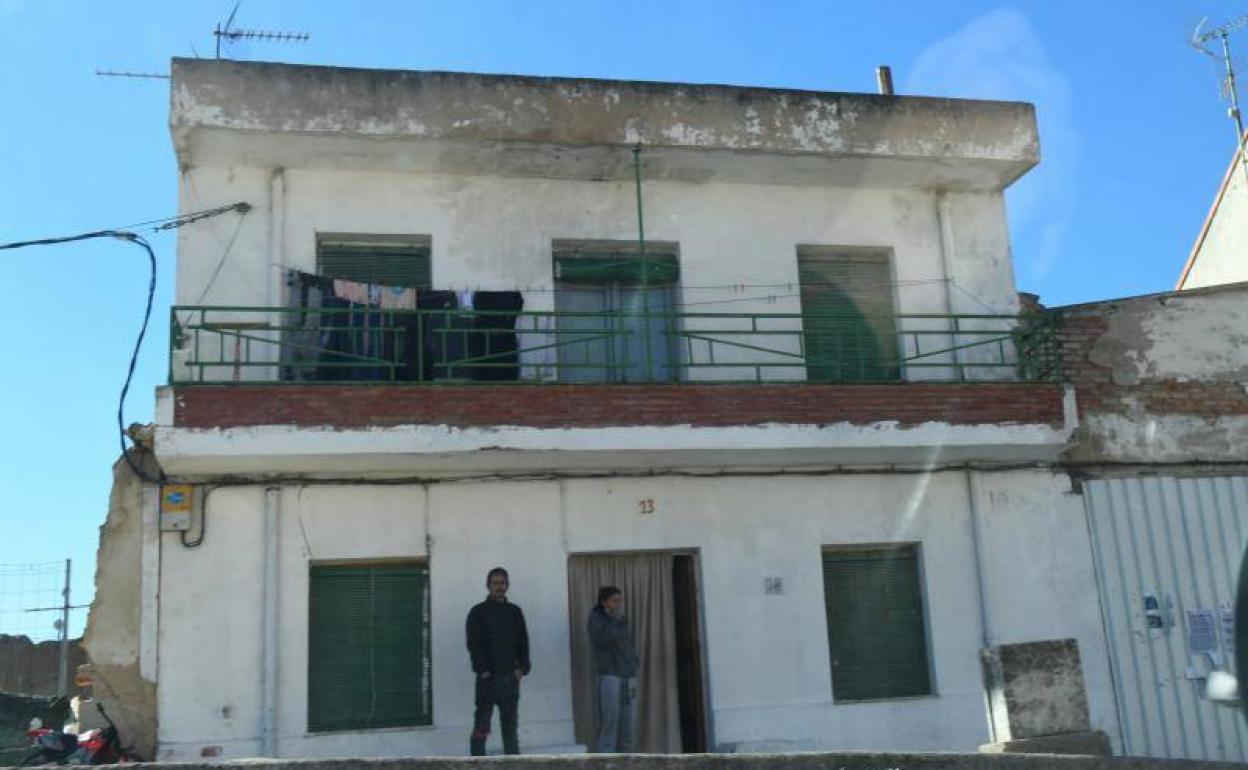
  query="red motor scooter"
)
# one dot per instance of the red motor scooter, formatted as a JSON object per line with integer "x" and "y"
{"x": 101, "y": 746}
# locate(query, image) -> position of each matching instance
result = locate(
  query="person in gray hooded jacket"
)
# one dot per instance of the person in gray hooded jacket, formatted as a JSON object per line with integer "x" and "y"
{"x": 615, "y": 661}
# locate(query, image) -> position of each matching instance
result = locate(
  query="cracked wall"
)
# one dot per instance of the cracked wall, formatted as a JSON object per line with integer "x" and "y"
{"x": 1160, "y": 378}
{"x": 113, "y": 630}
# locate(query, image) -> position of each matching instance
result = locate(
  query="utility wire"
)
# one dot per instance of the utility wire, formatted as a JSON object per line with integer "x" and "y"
{"x": 170, "y": 223}
{"x": 138, "y": 240}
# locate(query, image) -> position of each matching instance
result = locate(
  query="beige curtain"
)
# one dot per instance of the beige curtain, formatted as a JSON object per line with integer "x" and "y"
{"x": 646, "y": 580}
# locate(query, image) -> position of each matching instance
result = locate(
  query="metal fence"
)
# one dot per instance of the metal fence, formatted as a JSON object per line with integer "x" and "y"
{"x": 1167, "y": 552}
{"x": 223, "y": 344}
{"x": 37, "y": 624}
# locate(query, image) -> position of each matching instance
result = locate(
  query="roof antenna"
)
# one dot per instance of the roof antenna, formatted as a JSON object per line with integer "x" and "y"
{"x": 1229, "y": 90}
{"x": 129, "y": 74}
{"x": 231, "y": 34}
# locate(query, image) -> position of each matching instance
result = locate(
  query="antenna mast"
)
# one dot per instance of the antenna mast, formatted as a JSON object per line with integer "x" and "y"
{"x": 1229, "y": 88}
{"x": 230, "y": 34}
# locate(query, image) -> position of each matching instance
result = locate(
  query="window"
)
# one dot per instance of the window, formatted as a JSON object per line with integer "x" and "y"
{"x": 368, "y": 647}
{"x": 615, "y": 321}
{"x": 334, "y": 338}
{"x": 877, "y": 636}
{"x": 389, "y": 260}
{"x": 848, "y": 322}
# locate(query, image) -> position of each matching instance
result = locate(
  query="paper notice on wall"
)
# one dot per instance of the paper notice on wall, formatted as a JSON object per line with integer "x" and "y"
{"x": 1228, "y": 627}
{"x": 1202, "y": 632}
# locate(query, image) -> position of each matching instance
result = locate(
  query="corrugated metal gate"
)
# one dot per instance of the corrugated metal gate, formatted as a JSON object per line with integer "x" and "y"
{"x": 1167, "y": 555}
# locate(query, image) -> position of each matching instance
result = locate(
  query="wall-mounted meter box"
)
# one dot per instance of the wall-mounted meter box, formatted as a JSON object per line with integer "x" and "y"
{"x": 176, "y": 503}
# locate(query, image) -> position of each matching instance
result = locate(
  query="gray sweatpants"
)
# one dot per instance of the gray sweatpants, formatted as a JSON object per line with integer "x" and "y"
{"x": 617, "y": 711}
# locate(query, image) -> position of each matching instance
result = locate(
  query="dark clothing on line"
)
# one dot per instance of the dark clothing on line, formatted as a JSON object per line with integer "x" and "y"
{"x": 494, "y": 335}
{"x": 431, "y": 346}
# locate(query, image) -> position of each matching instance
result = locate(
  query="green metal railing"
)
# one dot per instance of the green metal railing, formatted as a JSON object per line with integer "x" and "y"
{"x": 219, "y": 344}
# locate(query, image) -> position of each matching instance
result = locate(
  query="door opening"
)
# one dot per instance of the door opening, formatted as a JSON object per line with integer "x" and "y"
{"x": 689, "y": 665}
{"x": 661, "y": 602}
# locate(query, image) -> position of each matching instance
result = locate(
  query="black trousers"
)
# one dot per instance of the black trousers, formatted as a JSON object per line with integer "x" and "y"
{"x": 500, "y": 690}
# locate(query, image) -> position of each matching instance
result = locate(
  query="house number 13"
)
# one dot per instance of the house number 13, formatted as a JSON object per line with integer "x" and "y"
{"x": 646, "y": 506}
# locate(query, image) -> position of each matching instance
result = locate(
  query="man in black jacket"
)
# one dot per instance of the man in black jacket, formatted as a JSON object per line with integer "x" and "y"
{"x": 498, "y": 643}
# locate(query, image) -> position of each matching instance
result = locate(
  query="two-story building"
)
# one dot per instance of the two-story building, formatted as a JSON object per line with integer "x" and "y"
{"x": 754, "y": 355}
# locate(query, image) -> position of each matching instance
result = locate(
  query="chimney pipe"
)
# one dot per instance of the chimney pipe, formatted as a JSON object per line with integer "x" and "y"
{"x": 884, "y": 77}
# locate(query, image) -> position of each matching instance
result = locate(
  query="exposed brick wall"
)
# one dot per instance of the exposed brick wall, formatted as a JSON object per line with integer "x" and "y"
{"x": 589, "y": 405}
{"x": 32, "y": 668}
{"x": 1098, "y": 391}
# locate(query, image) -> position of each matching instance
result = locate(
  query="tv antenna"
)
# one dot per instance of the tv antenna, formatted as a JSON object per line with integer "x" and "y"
{"x": 1230, "y": 91}
{"x": 231, "y": 34}
{"x": 128, "y": 74}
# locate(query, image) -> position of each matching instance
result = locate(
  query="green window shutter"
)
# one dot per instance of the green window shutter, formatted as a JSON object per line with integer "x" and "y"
{"x": 850, "y": 330}
{"x": 389, "y": 263}
{"x": 368, "y": 653}
{"x": 876, "y": 632}
{"x": 624, "y": 268}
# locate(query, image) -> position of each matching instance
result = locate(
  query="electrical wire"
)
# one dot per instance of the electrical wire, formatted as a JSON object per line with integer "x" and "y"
{"x": 138, "y": 240}
{"x": 167, "y": 223}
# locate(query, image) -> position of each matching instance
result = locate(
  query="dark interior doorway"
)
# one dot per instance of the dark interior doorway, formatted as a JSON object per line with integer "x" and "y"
{"x": 689, "y": 663}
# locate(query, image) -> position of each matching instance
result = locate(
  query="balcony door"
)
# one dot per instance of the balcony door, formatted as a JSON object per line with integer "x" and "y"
{"x": 849, "y": 326}
{"x": 615, "y": 314}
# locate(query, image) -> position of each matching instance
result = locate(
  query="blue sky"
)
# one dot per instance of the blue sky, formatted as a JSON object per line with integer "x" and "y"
{"x": 1134, "y": 140}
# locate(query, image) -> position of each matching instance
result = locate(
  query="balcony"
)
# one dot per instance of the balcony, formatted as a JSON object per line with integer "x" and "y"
{"x": 322, "y": 393}
{"x": 248, "y": 345}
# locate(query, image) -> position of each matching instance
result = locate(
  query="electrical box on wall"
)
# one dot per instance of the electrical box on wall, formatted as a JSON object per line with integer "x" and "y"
{"x": 176, "y": 504}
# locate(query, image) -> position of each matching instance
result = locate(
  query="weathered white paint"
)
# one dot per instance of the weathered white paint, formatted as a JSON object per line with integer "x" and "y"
{"x": 1188, "y": 336}
{"x": 1139, "y": 436}
{"x": 290, "y": 115}
{"x": 1040, "y": 577}
{"x": 738, "y": 179}
{"x": 274, "y": 290}
{"x": 766, "y": 656}
{"x": 1198, "y": 336}
{"x": 269, "y": 610}
{"x": 496, "y": 233}
{"x": 149, "y": 587}
{"x": 441, "y": 449}
{"x": 1179, "y": 540}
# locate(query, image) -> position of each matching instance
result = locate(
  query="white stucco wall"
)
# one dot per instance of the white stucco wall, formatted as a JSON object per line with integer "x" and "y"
{"x": 1041, "y": 579}
{"x": 766, "y": 656}
{"x": 497, "y": 233}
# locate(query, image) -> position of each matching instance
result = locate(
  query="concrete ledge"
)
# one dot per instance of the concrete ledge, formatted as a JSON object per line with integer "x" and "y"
{"x": 1093, "y": 742}
{"x": 810, "y": 761}
{"x": 296, "y": 116}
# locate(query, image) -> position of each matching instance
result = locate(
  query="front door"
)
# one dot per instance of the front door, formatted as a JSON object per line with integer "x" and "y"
{"x": 661, "y": 604}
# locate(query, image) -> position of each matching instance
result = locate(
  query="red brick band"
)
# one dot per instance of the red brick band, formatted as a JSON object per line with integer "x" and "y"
{"x": 599, "y": 405}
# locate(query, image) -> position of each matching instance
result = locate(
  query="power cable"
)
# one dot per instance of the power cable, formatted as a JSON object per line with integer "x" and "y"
{"x": 125, "y": 235}
{"x": 138, "y": 343}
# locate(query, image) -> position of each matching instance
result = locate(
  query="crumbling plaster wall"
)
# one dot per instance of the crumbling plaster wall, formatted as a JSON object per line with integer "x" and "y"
{"x": 254, "y": 96}
{"x": 114, "y": 624}
{"x": 1161, "y": 378}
